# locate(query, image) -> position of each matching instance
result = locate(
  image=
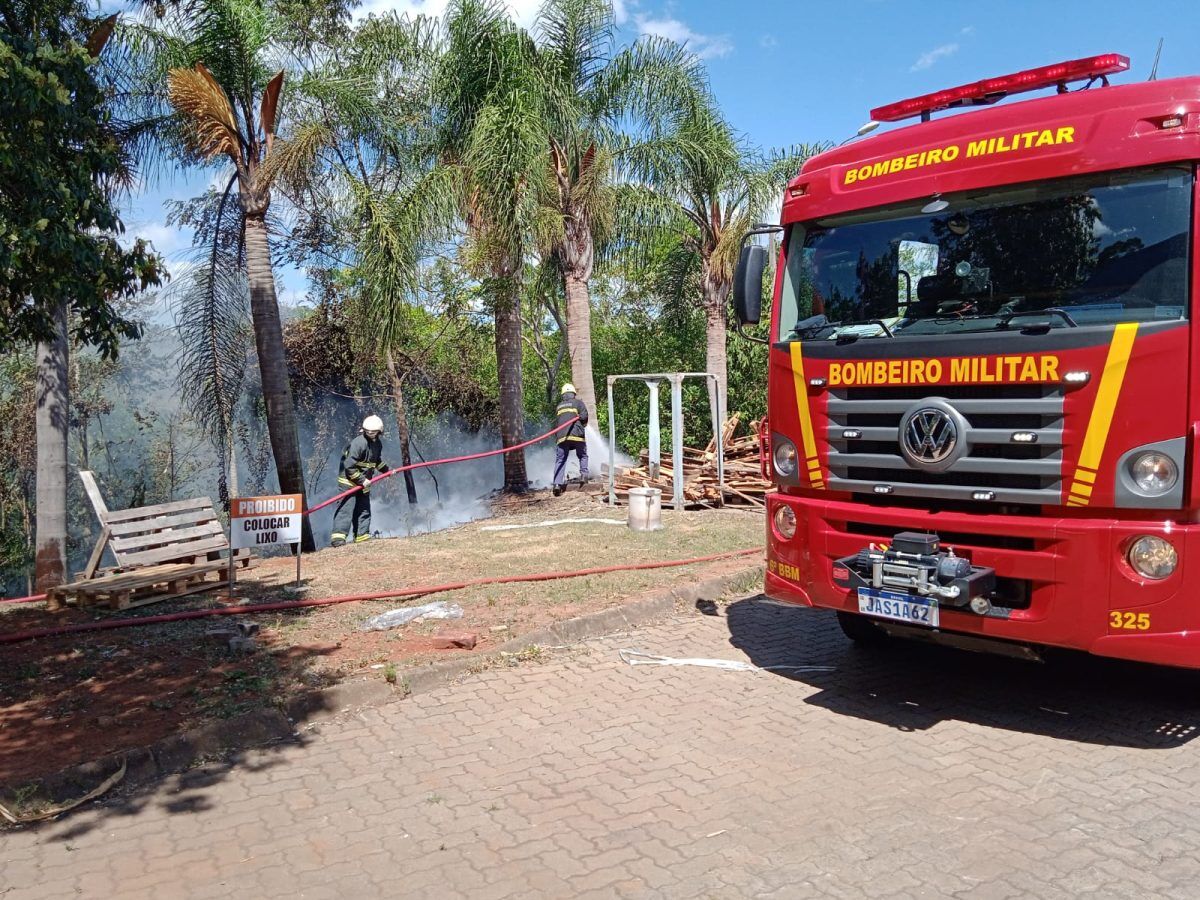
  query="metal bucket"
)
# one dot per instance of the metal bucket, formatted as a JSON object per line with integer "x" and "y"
{"x": 645, "y": 509}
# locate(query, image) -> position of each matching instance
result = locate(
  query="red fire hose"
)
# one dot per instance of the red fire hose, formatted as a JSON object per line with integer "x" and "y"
{"x": 106, "y": 624}
{"x": 439, "y": 462}
{"x": 34, "y": 598}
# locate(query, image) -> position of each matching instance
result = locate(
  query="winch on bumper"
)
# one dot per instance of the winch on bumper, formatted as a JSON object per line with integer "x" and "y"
{"x": 914, "y": 563}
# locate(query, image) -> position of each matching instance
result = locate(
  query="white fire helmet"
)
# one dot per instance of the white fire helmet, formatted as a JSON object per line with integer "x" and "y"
{"x": 372, "y": 423}
{"x": 568, "y": 388}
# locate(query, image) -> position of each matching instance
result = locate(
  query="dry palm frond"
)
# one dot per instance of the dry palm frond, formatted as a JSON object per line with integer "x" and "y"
{"x": 99, "y": 37}
{"x": 292, "y": 159}
{"x": 196, "y": 94}
{"x": 269, "y": 108}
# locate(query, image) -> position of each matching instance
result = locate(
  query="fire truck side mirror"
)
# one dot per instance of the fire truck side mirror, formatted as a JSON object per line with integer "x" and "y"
{"x": 747, "y": 284}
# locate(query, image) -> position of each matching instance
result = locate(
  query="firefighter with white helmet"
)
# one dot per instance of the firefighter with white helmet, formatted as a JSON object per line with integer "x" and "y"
{"x": 361, "y": 463}
{"x": 573, "y": 438}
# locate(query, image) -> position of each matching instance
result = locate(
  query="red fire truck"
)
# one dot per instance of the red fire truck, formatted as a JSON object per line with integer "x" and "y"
{"x": 983, "y": 409}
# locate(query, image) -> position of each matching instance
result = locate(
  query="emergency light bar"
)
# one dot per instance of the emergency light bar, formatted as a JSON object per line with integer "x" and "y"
{"x": 990, "y": 90}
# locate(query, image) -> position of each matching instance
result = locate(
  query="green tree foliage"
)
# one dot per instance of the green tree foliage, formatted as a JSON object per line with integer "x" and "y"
{"x": 59, "y": 162}
{"x": 18, "y": 463}
{"x": 704, "y": 187}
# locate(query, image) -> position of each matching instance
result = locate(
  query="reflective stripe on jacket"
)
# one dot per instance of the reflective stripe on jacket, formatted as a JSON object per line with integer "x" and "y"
{"x": 569, "y": 407}
{"x": 361, "y": 460}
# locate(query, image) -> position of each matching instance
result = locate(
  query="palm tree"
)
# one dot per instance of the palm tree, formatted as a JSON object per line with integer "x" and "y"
{"x": 363, "y": 109}
{"x": 491, "y": 138}
{"x": 471, "y": 166}
{"x": 706, "y": 188}
{"x": 225, "y": 103}
{"x": 593, "y": 96}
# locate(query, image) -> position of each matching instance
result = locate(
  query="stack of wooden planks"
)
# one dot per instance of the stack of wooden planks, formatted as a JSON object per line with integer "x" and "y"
{"x": 744, "y": 483}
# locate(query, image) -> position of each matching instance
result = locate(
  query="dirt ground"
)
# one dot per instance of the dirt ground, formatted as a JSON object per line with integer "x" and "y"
{"x": 73, "y": 698}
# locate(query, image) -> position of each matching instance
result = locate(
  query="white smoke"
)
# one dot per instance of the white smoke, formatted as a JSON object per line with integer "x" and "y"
{"x": 453, "y": 493}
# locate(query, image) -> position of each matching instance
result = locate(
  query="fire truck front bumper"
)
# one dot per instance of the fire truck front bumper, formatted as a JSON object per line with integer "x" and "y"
{"x": 1058, "y": 581}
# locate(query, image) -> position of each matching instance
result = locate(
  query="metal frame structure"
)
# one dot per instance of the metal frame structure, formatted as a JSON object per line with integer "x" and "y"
{"x": 653, "y": 381}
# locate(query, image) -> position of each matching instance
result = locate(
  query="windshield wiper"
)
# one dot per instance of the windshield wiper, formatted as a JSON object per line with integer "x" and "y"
{"x": 814, "y": 325}
{"x": 1049, "y": 310}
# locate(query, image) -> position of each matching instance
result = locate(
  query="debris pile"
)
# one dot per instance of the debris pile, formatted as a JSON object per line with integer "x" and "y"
{"x": 744, "y": 484}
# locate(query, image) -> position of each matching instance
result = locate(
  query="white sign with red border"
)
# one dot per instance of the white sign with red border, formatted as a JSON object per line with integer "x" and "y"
{"x": 259, "y": 521}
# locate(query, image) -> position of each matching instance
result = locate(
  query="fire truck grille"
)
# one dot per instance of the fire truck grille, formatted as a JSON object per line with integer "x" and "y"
{"x": 864, "y": 438}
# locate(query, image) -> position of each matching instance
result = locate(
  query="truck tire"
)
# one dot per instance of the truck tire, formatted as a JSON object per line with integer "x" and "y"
{"x": 861, "y": 630}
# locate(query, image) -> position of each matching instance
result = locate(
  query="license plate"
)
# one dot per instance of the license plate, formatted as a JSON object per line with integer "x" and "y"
{"x": 900, "y": 607}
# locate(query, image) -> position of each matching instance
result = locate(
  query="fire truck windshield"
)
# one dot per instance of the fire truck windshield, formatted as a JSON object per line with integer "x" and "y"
{"x": 1095, "y": 250}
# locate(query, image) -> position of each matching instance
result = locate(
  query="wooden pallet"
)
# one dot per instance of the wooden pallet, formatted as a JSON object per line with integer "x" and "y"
{"x": 151, "y": 584}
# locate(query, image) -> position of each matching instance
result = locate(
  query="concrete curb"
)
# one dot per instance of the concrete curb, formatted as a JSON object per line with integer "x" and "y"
{"x": 266, "y": 726}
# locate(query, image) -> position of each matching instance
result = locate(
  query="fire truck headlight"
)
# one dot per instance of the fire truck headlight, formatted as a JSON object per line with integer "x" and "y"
{"x": 785, "y": 457}
{"x": 1154, "y": 473}
{"x": 1152, "y": 557}
{"x": 785, "y": 522}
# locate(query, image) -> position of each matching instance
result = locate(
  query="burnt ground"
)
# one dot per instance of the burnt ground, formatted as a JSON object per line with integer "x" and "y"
{"x": 74, "y": 698}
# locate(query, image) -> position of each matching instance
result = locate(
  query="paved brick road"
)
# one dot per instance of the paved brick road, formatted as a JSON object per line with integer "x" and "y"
{"x": 906, "y": 772}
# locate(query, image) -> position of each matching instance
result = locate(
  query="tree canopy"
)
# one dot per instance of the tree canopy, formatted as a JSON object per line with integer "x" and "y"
{"x": 59, "y": 162}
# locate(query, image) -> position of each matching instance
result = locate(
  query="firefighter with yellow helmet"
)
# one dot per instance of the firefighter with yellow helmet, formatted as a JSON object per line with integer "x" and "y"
{"x": 361, "y": 463}
{"x": 573, "y": 438}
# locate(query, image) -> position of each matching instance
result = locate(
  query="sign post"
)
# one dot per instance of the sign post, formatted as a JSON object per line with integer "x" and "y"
{"x": 262, "y": 521}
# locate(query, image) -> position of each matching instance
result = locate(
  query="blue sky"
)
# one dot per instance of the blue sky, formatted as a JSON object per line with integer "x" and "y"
{"x": 788, "y": 72}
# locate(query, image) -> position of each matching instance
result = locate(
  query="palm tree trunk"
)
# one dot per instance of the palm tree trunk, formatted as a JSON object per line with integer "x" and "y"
{"x": 578, "y": 255}
{"x": 272, "y": 364}
{"x": 579, "y": 340}
{"x": 715, "y": 293}
{"x": 231, "y": 454}
{"x": 401, "y": 425}
{"x": 512, "y": 394}
{"x": 51, "y": 417}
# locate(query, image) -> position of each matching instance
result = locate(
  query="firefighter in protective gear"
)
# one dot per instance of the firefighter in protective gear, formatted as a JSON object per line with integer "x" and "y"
{"x": 573, "y": 438}
{"x": 361, "y": 463}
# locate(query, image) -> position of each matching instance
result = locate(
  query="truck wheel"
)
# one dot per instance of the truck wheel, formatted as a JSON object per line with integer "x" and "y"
{"x": 861, "y": 630}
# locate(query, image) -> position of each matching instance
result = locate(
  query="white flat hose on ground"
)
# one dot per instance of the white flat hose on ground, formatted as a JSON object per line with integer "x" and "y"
{"x": 551, "y": 522}
{"x": 640, "y": 658}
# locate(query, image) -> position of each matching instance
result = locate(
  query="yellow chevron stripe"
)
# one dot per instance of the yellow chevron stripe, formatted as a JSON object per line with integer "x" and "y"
{"x": 1096, "y": 436}
{"x": 806, "y": 427}
{"x": 1106, "y": 395}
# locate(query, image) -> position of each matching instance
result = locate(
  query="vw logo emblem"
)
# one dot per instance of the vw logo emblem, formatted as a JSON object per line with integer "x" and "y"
{"x": 929, "y": 436}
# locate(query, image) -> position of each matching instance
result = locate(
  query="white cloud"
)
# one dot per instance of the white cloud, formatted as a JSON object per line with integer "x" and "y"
{"x": 768, "y": 42}
{"x": 967, "y": 30}
{"x": 166, "y": 240}
{"x": 620, "y": 12}
{"x": 523, "y": 12}
{"x": 926, "y": 60}
{"x": 706, "y": 46}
